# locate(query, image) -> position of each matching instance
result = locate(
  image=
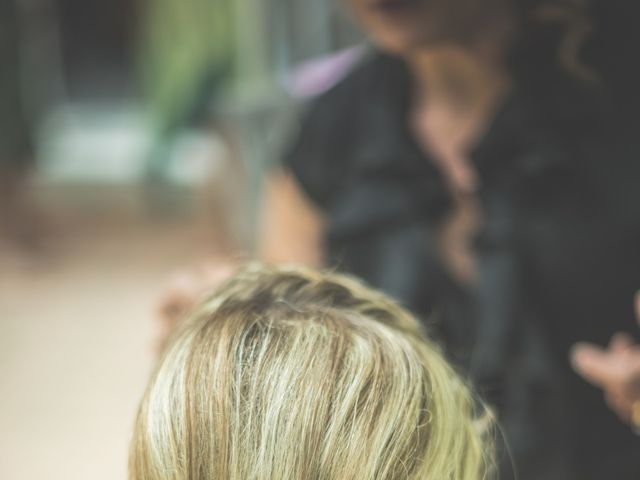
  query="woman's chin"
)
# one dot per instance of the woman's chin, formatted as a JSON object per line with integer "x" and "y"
{"x": 403, "y": 43}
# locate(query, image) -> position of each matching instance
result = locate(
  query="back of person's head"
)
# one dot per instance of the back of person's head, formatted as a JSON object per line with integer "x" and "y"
{"x": 288, "y": 373}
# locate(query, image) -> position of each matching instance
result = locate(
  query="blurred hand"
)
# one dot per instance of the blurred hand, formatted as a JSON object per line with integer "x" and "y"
{"x": 184, "y": 290}
{"x": 616, "y": 370}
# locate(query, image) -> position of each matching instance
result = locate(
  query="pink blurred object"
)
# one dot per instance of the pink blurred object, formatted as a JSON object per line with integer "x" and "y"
{"x": 318, "y": 75}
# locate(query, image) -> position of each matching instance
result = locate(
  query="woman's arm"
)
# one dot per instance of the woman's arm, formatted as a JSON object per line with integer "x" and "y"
{"x": 291, "y": 229}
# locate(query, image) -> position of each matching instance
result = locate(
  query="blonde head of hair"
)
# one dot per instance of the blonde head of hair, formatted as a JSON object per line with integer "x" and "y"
{"x": 289, "y": 373}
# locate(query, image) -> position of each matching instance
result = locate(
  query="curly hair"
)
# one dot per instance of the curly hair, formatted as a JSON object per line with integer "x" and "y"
{"x": 572, "y": 19}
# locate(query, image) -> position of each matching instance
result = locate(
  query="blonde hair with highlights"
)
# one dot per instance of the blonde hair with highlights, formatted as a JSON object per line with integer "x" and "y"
{"x": 289, "y": 373}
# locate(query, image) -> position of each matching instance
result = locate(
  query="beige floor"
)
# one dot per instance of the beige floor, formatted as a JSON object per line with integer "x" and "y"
{"x": 76, "y": 329}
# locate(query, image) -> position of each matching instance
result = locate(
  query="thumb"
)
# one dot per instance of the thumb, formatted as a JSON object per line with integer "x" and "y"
{"x": 592, "y": 363}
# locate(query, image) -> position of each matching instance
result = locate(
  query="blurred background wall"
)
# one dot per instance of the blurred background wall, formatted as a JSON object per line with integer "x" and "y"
{"x": 148, "y": 127}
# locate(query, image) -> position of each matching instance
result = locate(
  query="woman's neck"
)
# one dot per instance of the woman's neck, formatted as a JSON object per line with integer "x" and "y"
{"x": 457, "y": 91}
{"x": 466, "y": 81}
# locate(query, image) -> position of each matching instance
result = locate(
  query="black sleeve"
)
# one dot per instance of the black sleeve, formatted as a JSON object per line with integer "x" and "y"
{"x": 316, "y": 152}
{"x": 320, "y": 155}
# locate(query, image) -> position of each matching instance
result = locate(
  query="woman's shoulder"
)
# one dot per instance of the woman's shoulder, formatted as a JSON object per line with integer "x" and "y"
{"x": 347, "y": 80}
{"x": 333, "y": 123}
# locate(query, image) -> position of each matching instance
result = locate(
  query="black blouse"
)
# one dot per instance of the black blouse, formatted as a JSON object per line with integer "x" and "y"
{"x": 559, "y": 251}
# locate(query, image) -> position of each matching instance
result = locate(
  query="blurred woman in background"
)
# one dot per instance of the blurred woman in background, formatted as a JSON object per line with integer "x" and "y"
{"x": 481, "y": 163}
{"x": 294, "y": 374}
